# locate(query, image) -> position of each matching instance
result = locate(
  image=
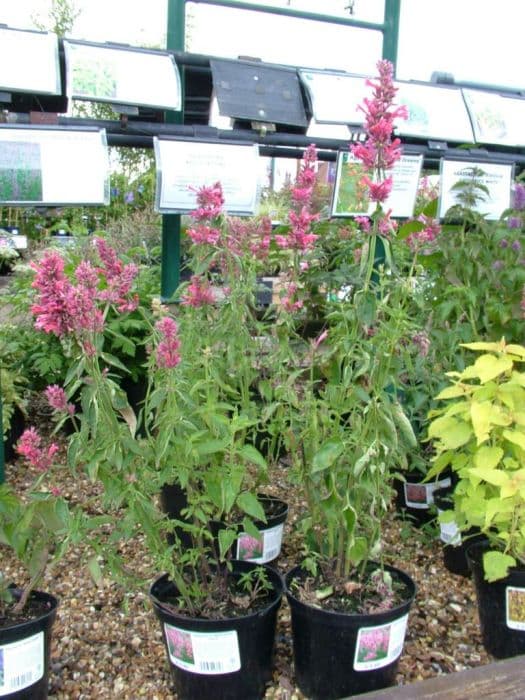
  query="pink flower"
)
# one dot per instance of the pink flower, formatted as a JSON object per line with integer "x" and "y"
{"x": 364, "y": 223}
{"x": 198, "y": 293}
{"x": 56, "y": 398}
{"x": 168, "y": 348}
{"x": 289, "y": 301}
{"x": 380, "y": 152}
{"x": 202, "y": 234}
{"x": 30, "y": 447}
{"x": 427, "y": 235}
{"x": 378, "y": 191}
{"x": 210, "y": 201}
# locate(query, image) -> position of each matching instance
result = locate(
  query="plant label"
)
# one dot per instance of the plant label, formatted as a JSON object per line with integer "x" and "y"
{"x": 21, "y": 663}
{"x": 379, "y": 646}
{"x": 207, "y": 653}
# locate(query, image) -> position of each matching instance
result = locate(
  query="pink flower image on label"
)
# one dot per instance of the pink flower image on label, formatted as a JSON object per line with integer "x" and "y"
{"x": 179, "y": 644}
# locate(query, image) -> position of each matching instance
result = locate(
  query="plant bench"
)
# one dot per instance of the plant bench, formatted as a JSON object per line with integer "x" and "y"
{"x": 501, "y": 679}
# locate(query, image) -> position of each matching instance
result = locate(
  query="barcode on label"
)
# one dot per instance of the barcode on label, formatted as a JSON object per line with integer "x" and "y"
{"x": 271, "y": 553}
{"x": 21, "y": 681}
{"x": 211, "y": 666}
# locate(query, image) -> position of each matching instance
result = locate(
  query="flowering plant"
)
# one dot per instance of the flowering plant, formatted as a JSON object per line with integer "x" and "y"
{"x": 37, "y": 525}
{"x": 194, "y": 427}
{"x": 347, "y": 432}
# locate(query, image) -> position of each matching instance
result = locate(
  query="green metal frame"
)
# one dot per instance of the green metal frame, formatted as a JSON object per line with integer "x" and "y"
{"x": 171, "y": 223}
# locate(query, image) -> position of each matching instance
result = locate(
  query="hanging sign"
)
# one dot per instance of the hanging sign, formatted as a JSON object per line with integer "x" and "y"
{"x": 350, "y": 196}
{"x": 53, "y": 166}
{"x": 496, "y": 177}
{"x": 434, "y": 112}
{"x": 335, "y": 97}
{"x": 29, "y": 62}
{"x": 184, "y": 166}
{"x": 122, "y": 76}
{"x": 497, "y": 119}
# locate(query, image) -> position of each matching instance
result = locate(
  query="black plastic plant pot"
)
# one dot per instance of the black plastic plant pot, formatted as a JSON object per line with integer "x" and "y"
{"x": 24, "y": 652}
{"x": 501, "y": 606}
{"x": 337, "y": 655}
{"x": 227, "y": 659}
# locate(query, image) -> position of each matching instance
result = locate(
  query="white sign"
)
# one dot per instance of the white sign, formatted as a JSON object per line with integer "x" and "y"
{"x": 185, "y": 166}
{"x": 29, "y": 62}
{"x": 496, "y": 119}
{"x": 122, "y": 76}
{"x": 335, "y": 97}
{"x": 434, "y": 112}
{"x": 351, "y": 195}
{"x": 53, "y": 166}
{"x": 496, "y": 177}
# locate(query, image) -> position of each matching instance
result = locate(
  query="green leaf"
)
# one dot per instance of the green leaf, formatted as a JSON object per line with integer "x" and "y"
{"x": 250, "y": 504}
{"x": 226, "y": 538}
{"x": 488, "y": 457}
{"x": 480, "y": 415}
{"x": 452, "y": 392}
{"x": 251, "y": 454}
{"x": 451, "y": 432}
{"x": 327, "y": 455}
{"x": 489, "y": 367}
{"x": 95, "y": 571}
{"x": 496, "y": 565}
{"x": 491, "y": 476}
{"x": 209, "y": 447}
{"x": 516, "y": 437}
{"x": 358, "y": 550}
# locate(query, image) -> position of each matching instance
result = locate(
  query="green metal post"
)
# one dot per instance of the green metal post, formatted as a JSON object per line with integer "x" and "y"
{"x": 171, "y": 223}
{"x": 391, "y": 33}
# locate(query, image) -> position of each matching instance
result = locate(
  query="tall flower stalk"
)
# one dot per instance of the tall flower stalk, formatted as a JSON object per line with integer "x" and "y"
{"x": 379, "y": 153}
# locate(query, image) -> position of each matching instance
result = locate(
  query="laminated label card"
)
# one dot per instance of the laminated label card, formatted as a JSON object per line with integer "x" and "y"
{"x": 29, "y": 62}
{"x": 122, "y": 76}
{"x": 335, "y": 97}
{"x": 496, "y": 177}
{"x": 53, "y": 166}
{"x": 434, "y": 112}
{"x": 185, "y": 166}
{"x": 350, "y": 192}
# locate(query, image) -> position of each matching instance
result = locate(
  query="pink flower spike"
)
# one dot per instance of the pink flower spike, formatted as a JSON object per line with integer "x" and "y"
{"x": 167, "y": 353}
{"x": 198, "y": 293}
{"x": 30, "y": 447}
{"x": 57, "y": 399}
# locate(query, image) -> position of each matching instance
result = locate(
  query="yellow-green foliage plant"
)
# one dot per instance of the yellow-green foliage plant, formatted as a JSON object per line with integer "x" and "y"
{"x": 480, "y": 433}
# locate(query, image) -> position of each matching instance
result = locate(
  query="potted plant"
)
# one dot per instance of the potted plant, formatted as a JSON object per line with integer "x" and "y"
{"x": 479, "y": 433}
{"x": 191, "y": 431}
{"x": 348, "y": 435}
{"x": 37, "y": 526}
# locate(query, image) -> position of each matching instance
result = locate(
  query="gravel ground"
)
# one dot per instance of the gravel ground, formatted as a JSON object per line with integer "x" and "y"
{"x": 108, "y": 645}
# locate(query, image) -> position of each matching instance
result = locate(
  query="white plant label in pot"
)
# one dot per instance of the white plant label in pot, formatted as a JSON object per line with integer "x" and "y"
{"x": 263, "y": 550}
{"x": 515, "y": 605}
{"x": 207, "y": 653}
{"x": 422, "y": 495}
{"x": 449, "y": 533}
{"x": 379, "y": 646}
{"x": 21, "y": 663}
